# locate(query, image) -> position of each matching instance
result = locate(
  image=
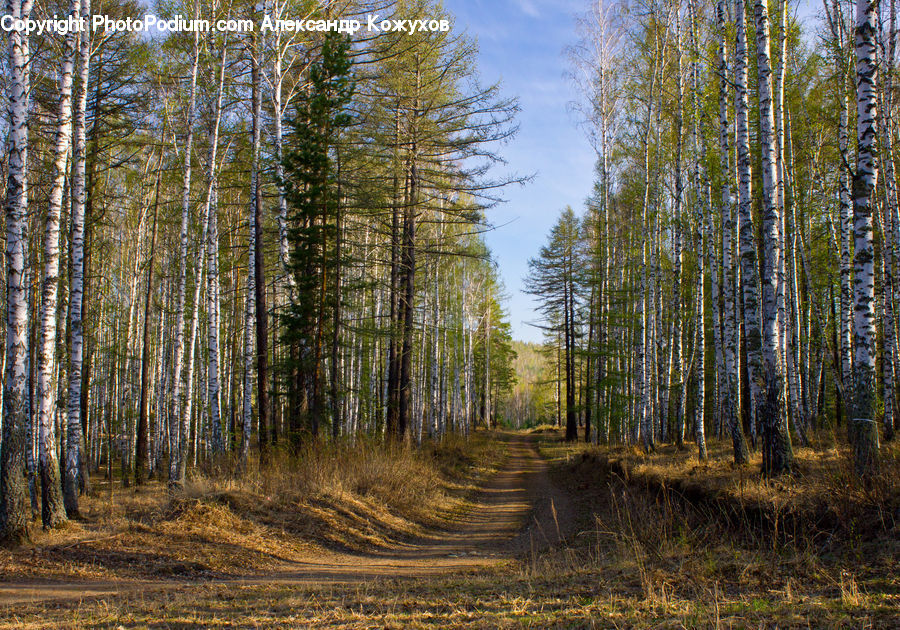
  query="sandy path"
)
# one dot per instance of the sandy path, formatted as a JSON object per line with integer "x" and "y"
{"x": 517, "y": 509}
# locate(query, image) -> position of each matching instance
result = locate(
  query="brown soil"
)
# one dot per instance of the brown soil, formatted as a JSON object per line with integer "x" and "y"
{"x": 516, "y": 511}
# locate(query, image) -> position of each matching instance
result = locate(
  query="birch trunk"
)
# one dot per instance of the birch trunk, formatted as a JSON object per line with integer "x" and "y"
{"x": 177, "y": 449}
{"x": 76, "y": 473}
{"x": 643, "y": 386}
{"x": 211, "y": 224}
{"x": 259, "y": 284}
{"x": 277, "y": 119}
{"x": 145, "y": 362}
{"x": 889, "y": 243}
{"x": 14, "y": 513}
{"x": 700, "y": 197}
{"x": 834, "y": 14}
{"x": 863, "y": 430}
{"x": 729, "y": 400}
{"x": 53, "y": 511}
{"x": 213, "y": 314}
{"x": 678, "y": 256}
{"x": 749, "y": 266}
{"x": 777, "y": 450}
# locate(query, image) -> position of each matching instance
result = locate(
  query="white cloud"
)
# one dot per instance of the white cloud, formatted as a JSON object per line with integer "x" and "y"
{"x": 528, "y": 8}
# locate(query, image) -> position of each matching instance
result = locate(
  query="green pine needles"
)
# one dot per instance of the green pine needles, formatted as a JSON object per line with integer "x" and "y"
{"x": 312, "y": 189}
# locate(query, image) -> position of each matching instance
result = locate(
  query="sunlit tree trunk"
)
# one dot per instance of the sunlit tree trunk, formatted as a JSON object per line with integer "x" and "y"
{"x": 776, "y": 444}
{"x": 259, "y": 285}
{"x": 678, "y": 377}
{"x": 863, "y": 430}
{"x": 704, "y": 235}
{"x": 729, "y": 400}
{"x": 210, "y": 212}
{"x": 834, "y": 14}
{"x": 889, "y": 235}
{"x": 14, "y": 512}
{"x": 76, "y": 469}
{"x": 176, "y": 448}
{"x": 749, "y": 263}
{"x": 53, "y": 510}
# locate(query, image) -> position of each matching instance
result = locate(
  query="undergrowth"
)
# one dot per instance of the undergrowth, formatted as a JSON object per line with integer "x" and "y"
{"x": 677, "y": 544}
{"x": 360, "y": 496}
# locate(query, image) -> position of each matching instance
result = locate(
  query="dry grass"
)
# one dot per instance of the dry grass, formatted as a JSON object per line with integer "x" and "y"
{"x": 348, "y": 496}
{"x": 643, "y": 557}
{"x": 661, "y": 535}
{"x": 545, "y": 429}
{"x": 821, "y": 493}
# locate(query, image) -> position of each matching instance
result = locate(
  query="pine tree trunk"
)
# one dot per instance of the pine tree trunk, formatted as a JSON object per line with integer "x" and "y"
{"x": 393, "y": 401}
{"x": 336, "y": 316}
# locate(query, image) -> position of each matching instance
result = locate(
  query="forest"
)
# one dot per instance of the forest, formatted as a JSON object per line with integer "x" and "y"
{"x": 734, "y": 270}
{"x": 262, "y": 367}
{"x": 218, "y": 244}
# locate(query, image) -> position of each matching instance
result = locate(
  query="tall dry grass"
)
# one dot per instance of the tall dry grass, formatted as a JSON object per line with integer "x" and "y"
{"x": 405, "y": 479}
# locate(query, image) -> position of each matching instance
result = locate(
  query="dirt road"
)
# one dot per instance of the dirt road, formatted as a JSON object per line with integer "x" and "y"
{"x": 517, "y": 509}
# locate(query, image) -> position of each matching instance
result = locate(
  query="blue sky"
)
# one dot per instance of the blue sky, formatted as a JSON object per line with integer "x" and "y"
{"x": 522, "y": 43}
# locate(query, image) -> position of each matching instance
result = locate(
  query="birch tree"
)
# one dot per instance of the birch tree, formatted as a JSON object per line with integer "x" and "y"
{"x": 52, "y": 508}
{"x": 863, "y": 429}
{"x": 730, "y": 329}
{"x": 776, "y": 446}
{"x": 75, "y": 475}
{"x": 14, "y": 497}
{"x": 178, "y": 441}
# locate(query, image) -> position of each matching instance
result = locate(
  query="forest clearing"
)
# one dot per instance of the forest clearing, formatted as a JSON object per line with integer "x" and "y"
{"x": 410, "y": 313}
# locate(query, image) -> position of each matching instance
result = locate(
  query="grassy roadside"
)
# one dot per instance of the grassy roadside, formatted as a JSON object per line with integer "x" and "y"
{"x": 362, "y": 496}
{"x": 663, "y": 536}
{"x": 640, "y": 558}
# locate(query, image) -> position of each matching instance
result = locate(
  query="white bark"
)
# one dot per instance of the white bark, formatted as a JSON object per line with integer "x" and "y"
{"x": 53, "y": 512}
{"x": 777, "y": 454}
{"x": 730, "y": 399}
{"x": 889, "y": 235}
{"x": 863, "y": 431}
{"x": 211, "y": 225}
{"x": 704, "y": 232}
{"x": 74, "y": 438}
{"x": 178, "y": 441}
{"x": 747, "y": 240}
{"x": 678, "y": 377}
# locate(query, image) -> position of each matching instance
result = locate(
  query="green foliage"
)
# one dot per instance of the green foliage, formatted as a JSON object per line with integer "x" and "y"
{"x": 311, "y": 185}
